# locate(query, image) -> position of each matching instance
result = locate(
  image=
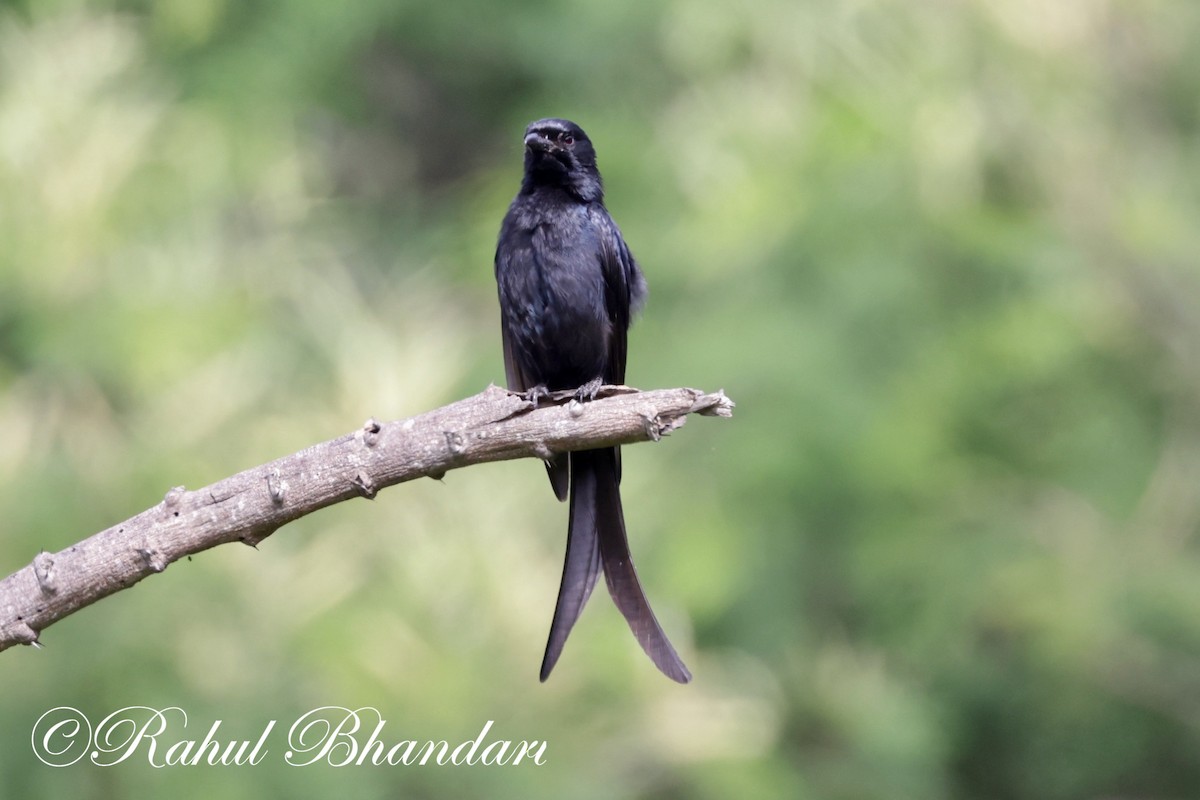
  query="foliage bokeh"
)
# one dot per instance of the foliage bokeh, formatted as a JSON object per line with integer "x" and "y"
{"x": 942, "y": 255}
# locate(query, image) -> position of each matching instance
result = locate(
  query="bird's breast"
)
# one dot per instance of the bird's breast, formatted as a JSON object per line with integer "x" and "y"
{"x": 556, "y": 315}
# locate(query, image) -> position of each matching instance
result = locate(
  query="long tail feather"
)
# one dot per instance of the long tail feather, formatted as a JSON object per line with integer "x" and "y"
{"x": 596, "y": 509}
{"x": 580, "y": 568}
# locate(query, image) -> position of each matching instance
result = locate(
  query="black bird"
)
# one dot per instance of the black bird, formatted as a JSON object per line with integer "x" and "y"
{"x": 568, "y": 288}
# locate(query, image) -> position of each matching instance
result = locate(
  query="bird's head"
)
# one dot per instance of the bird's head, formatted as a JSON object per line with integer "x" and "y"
{"x": 559, "y": 153}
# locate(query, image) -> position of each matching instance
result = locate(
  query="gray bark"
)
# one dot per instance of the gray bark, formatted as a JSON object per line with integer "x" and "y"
{"x": 494, "y": 425}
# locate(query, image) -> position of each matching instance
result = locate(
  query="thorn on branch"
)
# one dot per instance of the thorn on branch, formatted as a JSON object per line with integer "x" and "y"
{"x": 456, "y": 442}
{"x": 370, "y": 432}
{"x": 25, "y": 634}
{"x": 252, "y": 538}
{"x": 43, "y": 568}
{"x": 155, "y": 560}
{"x": 365, "y": 486}
{"x": 653, "y": 427}
{"x": 171, "y": 499}
{"x": 276, "y": 487}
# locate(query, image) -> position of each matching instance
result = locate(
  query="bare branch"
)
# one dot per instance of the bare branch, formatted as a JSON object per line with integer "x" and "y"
{"x": 494, "y": 425}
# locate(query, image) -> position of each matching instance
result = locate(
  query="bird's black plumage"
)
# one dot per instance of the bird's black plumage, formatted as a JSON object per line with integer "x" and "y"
{"x": 568, "y": 288}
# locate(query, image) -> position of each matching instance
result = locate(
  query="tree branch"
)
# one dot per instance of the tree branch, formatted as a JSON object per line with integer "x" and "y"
{"x": 494, "y": 425}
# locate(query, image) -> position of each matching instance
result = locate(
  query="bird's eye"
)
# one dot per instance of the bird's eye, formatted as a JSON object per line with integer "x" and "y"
{"x": 568, "y": 139}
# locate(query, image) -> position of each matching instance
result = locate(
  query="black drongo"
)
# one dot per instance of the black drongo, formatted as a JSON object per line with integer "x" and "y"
{"x": 568, "y": 287}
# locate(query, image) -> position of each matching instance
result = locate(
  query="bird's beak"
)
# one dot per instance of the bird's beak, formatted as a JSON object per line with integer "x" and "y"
{"x": 535, "y": 141}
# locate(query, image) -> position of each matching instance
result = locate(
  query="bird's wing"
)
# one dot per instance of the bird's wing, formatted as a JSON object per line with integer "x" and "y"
{"x": 513, "y": 375}
{"x": 557, "y": 467}
{"x": 624, "y": 290}
{"x": 624, "y": 293}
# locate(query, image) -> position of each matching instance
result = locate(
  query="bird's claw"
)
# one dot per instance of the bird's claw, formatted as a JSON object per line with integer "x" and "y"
{"x": 536, "y": 393}
{"x": 589, "y": 390}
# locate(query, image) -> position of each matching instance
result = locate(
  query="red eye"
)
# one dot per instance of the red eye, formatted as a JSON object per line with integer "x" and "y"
{"x": 568, "y": 139}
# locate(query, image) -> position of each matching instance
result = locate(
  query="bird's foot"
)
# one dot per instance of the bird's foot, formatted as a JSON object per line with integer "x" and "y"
{"x": 589, "y": 390}
{"x": 536, "y": 393}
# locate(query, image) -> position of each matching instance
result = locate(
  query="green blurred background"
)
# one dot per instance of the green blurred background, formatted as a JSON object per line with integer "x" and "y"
{"x": 943, "y": 255}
